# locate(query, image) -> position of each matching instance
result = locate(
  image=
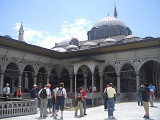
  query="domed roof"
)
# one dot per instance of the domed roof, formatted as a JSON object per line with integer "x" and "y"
{"x": 90, "y": 44}
{"x": 108, "y": 21}
{"x": 110, "y": 40}
{"x": 71, "y": 47}
{"x": 131, "y": 36}
{"x": 59, "y": 49}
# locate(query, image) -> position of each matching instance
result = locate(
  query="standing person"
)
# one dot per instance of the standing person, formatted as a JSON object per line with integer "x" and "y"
{"x": 79, "y": 103}
{"x": 145, "y": 98}
{"x": 43, "y": 97}
{"x": 139, "y": 96}
{"x": 105, "y": 96}
{"x": 19, "y": 93}
{"x": 152, "y": 93}
{"x": 84, "y": 99}
{"x": 38, "y": 89}
{"x": 49, "y": 98}
{"x": 6, "y": 91}
{"x": 34, "y": 92}
{"x": 60, "y": 95}
{"x": 53, "y": 99}
{"x": 111, "y": 92}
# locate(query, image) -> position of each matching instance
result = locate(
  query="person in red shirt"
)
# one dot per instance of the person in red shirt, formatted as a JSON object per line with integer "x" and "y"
{"x": 84, "y": 99}
{"x": 19, "y": 93}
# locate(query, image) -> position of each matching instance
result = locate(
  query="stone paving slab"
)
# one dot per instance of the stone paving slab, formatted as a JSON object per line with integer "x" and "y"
{"x": 123, "y": 111}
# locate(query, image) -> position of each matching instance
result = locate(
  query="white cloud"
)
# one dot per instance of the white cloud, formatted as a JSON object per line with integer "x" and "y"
{"x": 77, "y": 29}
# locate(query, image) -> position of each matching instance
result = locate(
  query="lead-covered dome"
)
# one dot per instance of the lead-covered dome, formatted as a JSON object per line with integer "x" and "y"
{"x": 108, "y": 27}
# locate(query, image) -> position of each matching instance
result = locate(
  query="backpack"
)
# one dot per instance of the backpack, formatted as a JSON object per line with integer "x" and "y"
{"x": 105, "y": 95}
{"x": 15, "y": 93}
{"x": 59, "y": 92}
{"x": 43, "y": 94}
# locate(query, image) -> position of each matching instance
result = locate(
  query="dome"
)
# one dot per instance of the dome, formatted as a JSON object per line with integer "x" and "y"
{"x": 74, "y": 41}
{"x": 71, "y": 47}
{"x": 90, "y": 44}
{"x": 108, "y": 21}
{"x": 62, "y": 43}
{"x": 59, "y": 49}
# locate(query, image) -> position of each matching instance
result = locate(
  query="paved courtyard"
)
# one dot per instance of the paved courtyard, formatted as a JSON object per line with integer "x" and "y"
{"x": 123, "y": 111}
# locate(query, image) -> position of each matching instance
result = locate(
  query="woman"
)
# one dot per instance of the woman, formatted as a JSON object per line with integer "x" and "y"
{"x": 79, "y": 102}
{"x": 19, "y": 93}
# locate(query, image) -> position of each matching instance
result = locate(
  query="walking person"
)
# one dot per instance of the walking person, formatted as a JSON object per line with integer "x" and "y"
{"x": 43, "y": 97}
{"x": 79, "y": 103}
{"x": 139, "y": 96}
{"x": 105, "y": 97}
{"x": 111, "y": 92}
{"x": 145, "y": 99}
{"x": 60, "y": 95}
{"x": 84, "y": 99}
{"x": 152, "y": 93}
{"x": 6, "y": 91}
{"x": 19, "y": 93}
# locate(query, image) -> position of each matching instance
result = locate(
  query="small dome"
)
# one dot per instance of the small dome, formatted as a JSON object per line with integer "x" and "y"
{"x": 71, "y": 47}
{"x": 62, "y": 43}
{"x": 74, "y": 41}
{"x": 108, "y": 21}
{"x": 90, "y": 44}
{"x": 110, "y": 40}
{"x": 59, "y": 49}
{"x": 7, "y": 36}
{"x": 131, "y": 36}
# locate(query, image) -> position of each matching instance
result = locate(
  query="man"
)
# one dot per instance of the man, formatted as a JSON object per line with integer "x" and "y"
{"x": 60, "y": 95}
{"x": 145, "y": 99}
{"x": 84, "y": 99}
{"x": 111, "y": 92}
{"x": 43, "y": 97}
{"x": 49, "y": 98}
{"x": 53, "y": 99}
{"x": 34, "y": 92}
{"x": 152, "y": 93}
{"x": 6, "y": 91}
{"x": 139, "y": 96}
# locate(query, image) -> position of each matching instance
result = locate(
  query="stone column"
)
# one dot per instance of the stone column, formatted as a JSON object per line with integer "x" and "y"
{"x": 118, "y": 84}
{"x": 71, "y": 83}
{"x": 75, "y": 85}
{"x": 20, "y": 80}
{"x": 101, "y": 83}
{"x": 35, "y": 79}
{"x": 92, "y": 88}
{"x": 1, "y": 87}
{"x": 85, "y": 81}
{"x": 47, "y": 80}
{"x": 137, "y": 81}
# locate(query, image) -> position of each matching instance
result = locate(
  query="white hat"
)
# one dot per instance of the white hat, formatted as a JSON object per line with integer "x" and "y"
{"x": 34, "y": 85}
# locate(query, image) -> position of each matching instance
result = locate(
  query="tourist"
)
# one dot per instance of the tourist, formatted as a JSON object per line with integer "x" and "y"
{"x": 139, "y": 96}
{"x": 145, "y": 99}
{"x": 60, "y": 95}
{"x": 6, "y": 91}
{"x": 105, "y": 97}
{"x": 34, "y": 92}
{"x": 152, "y": 93}
{"x": 111, "y": 92}
{"x": 49, "y": 98}
{"x": 43, "y": 97}
{"x": 53, "y": 99}
{"x": 84, "y": 99}
{"x": 79, "y": 102}
{"x": 19, "y": 93}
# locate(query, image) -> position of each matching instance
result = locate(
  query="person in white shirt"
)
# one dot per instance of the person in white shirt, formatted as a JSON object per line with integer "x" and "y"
{"x": 6, "y": 91}
{"x": 49, "y": 98}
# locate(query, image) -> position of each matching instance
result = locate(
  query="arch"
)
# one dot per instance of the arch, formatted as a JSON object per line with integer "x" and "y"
{"x": 65, "y": 78}
{"x": 108, "y": 64}
{"x": 42, "y": 76}
{"x": 27, "y": 78}
{"x": 79, "y": 66}
{"x": 11, "y": 76}
{"x": 146, "y": 60}
{"x": 127, "y": 78}
{"x": 53, "y": 79}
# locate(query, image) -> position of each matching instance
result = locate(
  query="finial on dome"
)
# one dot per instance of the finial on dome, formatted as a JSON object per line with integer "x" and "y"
{"x": 115, "y": 11}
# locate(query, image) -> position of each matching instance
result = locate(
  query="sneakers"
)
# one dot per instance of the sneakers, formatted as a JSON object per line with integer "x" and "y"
{"x": 61, "y": 117}
{"x": 145, "y": 116}
{"x": 55, "y": 117}
{"x": 111, "y": 117}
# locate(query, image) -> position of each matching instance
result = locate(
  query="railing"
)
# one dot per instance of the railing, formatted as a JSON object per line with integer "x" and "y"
{"x": 16, "y": 108}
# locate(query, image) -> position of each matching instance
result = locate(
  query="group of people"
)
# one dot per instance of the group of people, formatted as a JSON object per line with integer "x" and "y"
{"x": 6, "y": 92}
{"x": 109, "y": 99}
{"x": 146, "y": 93}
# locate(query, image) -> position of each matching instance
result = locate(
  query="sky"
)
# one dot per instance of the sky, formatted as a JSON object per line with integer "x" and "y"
{"x": 47, "y": 22}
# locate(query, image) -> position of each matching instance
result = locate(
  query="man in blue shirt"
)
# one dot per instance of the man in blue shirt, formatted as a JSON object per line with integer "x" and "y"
{"x": 152, "y": 93}
{"x": 34, "y": 92}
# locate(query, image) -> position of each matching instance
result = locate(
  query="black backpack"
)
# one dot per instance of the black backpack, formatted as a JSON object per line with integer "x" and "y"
{"x": 43, "y": 93}
{"x": 59, "y": 92}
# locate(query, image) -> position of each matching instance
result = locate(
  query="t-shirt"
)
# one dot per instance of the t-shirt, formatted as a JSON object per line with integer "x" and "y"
{"x": 145, "y": 94}
{"x": 6, "y": 90}
{"x": 84, "y": 94}
{"x": 152, "y": 89}
{"x": 111, "y": 92}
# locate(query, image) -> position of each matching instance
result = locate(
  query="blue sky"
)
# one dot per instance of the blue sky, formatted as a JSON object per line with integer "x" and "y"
{"x": 48, "y": 21}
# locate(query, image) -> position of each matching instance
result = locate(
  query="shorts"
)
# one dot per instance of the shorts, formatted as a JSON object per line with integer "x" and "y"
{"x": 49, "y": 103}
{"x": 60, "y": 103}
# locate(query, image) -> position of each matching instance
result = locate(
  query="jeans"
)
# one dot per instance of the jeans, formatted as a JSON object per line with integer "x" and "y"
{"x": 84, "y": 106}
{"x": 110, "y": 105}
{"x": 140, "y": 100}
{"x": 54, "y": 107}
{"x": 43, "y": 111}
